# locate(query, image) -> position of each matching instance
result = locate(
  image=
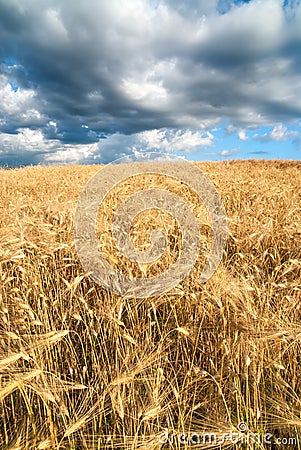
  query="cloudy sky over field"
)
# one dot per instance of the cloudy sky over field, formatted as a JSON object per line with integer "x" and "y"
{"x": 93, "y": 80}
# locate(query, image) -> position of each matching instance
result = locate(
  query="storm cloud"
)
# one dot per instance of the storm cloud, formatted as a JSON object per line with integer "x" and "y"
{"x": 93, "y": 80}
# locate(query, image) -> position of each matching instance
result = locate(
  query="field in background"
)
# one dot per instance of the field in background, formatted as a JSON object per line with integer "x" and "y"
{"x": 81, "y": 368}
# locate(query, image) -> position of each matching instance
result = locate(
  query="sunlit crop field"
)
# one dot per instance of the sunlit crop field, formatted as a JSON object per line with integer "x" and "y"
{"x": 82, "y": 368}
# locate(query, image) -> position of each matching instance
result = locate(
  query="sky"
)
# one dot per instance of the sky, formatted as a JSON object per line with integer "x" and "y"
{"x": 94, "y": 80}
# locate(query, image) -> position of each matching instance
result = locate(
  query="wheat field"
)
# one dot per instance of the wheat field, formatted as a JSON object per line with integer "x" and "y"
{"x": 82, "y": 368}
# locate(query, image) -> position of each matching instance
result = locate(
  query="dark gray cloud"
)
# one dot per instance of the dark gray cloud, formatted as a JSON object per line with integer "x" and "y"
{"x": 91, "y": 69}
{"x": 259, "y": 152}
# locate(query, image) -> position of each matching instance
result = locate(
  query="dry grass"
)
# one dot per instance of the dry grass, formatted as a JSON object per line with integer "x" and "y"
{"x": 81, "y": 368}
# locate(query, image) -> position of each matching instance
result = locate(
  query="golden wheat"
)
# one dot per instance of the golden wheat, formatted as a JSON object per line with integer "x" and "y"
{"x": 81, "y": 368}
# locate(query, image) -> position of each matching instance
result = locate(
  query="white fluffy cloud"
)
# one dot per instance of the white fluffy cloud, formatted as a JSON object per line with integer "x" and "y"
{"x": 163, "y": 140}
{"x": 278, "y": 133}
{"x": 242, "y": 135}
{"x": 19, "y": 105}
